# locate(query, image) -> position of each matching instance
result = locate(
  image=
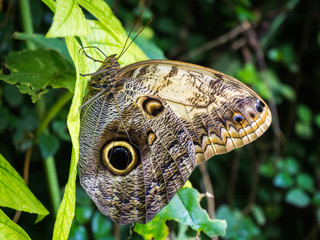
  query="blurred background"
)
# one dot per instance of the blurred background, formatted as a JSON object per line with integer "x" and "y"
{"x": 266, "y": 190}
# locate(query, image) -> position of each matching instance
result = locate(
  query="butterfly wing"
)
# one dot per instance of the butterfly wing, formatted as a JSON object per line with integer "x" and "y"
{"x": 160, "y": 144}
{"x": 209, "y": 104}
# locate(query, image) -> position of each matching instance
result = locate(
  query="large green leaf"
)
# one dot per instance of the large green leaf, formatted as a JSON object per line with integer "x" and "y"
{"x": 32, "y": 71}
{"x": 10, "y": 230}
{"x": 14, "y": 192}
{"x": 109, "y": 37}
{"x": 184, "y": 208}
{"x": 68, "y": 20}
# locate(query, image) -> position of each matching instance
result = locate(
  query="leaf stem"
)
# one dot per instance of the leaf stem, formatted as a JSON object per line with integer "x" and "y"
{"x": 27, "y": 21}
{"x": 52, "y": 180}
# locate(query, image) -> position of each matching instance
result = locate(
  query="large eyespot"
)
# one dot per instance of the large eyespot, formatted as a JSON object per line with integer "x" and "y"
{"x": 152, "y": 106}
{"x": 237, "y": 117}
{"x": 119, "y": 157}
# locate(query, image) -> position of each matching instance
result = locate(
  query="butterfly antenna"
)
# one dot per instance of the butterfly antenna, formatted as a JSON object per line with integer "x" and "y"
{"x": 124, "y": 49}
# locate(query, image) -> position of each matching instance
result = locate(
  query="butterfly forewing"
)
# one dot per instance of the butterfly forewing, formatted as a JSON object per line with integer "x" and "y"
{"x": 206, "y": 101}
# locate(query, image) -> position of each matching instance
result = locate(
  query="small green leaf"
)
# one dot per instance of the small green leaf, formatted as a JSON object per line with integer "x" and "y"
{"x": 100, "y": 225}
{"x": 298, "y": 198}
{"x": 283, "y": 180}
{"x": 248, "y": 74}
{"x": 32, "y": 71}
{"x": 10, "y": 230}
{"x": 60, "y": 128}
{"x": 78, "y": 232}
{"x": 83, "y": 214}
{"x": 316, "y": 199}
{"x": 14, "y": 192}
{"x": 304, "y": 113}
{"x": 184, "y": 208}
{"x": 68, "y": 20}
{"x": 303, "y": 130}
{"x": 267, "y": 169}
{"x": 48, "y": 144}
{"x": 239, "y": 226}
{"x": 258, "y": 214}
{"x": 305, "y": 181}
{"x": 317, "y": 120}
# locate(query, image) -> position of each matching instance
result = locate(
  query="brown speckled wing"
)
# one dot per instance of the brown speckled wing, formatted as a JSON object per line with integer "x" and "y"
{"x": 141, "y": 139}
{"x": 207, "y": 102}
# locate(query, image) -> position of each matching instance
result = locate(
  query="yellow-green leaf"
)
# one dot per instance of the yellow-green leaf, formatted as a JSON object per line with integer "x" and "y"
{"x": 68, "y": 20}
{"x": 14, "y": 192}
{"x": 10, "y": 230}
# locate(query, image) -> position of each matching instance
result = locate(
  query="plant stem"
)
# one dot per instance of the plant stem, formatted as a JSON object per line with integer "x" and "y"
{"x": 53, "y": 112}
{"x": 26, "y": 20}
{"x": 52, "y": 179}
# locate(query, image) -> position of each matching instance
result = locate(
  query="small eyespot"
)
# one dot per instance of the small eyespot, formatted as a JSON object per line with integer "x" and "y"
{"x": 238, "y": 117}
{"x": 261, "y": 103}
{"x": 152, "y": 106}
{"x": 258, "y": 108}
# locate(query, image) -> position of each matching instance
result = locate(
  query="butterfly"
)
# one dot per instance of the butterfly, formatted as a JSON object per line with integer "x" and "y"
{"x": 146, "y": 126}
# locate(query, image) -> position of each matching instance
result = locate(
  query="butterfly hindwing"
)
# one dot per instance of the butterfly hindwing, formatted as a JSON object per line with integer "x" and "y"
{"x": 164, "y": 150}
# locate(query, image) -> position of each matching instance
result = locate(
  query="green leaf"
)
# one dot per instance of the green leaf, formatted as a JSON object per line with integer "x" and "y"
{"x": 48, "y": 144}
{"x": 155, "y": 229}
{"x": 303, "y": 130}
{"x": 109, "y": 37}
{"x": 60, "y": 128}
{"x": 68, "y": 20}
{"x": 83, "y": 214}
{"x": 304, "y": 113}
{"x": 14, "y": 192}
{"x": 298, "y": 198}
{"x": 100, "y": 225}
{"x": 305, "y": 181}
{"x": 239, "y": 226}
{"x": 317, "y": 120}
{"x": 10, "y": 230}
{"x": 41, "y": 42}
{"x": 316, "y": 199}
{"x": 32, "y": 71}
{"x": 78, "y": 232}
{"x": 259, "y": 215}
{"x": 283, "y": 180}
{"x": 184, "y": 208}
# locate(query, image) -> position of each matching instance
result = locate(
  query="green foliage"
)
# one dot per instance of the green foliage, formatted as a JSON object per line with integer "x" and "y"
{"x": 185, "y": 209}
{"x": 16, "y": 195}
{"x": 9, "y": 230}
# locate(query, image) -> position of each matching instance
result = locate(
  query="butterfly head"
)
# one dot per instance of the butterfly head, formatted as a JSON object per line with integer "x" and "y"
{"x": 106, "y": 77}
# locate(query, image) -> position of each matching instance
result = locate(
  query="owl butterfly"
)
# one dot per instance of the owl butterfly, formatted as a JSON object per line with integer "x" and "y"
{"x": 145, "y": 127}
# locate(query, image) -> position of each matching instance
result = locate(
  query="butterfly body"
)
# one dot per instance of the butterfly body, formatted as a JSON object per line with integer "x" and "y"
{"x": 153, "y": 123}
